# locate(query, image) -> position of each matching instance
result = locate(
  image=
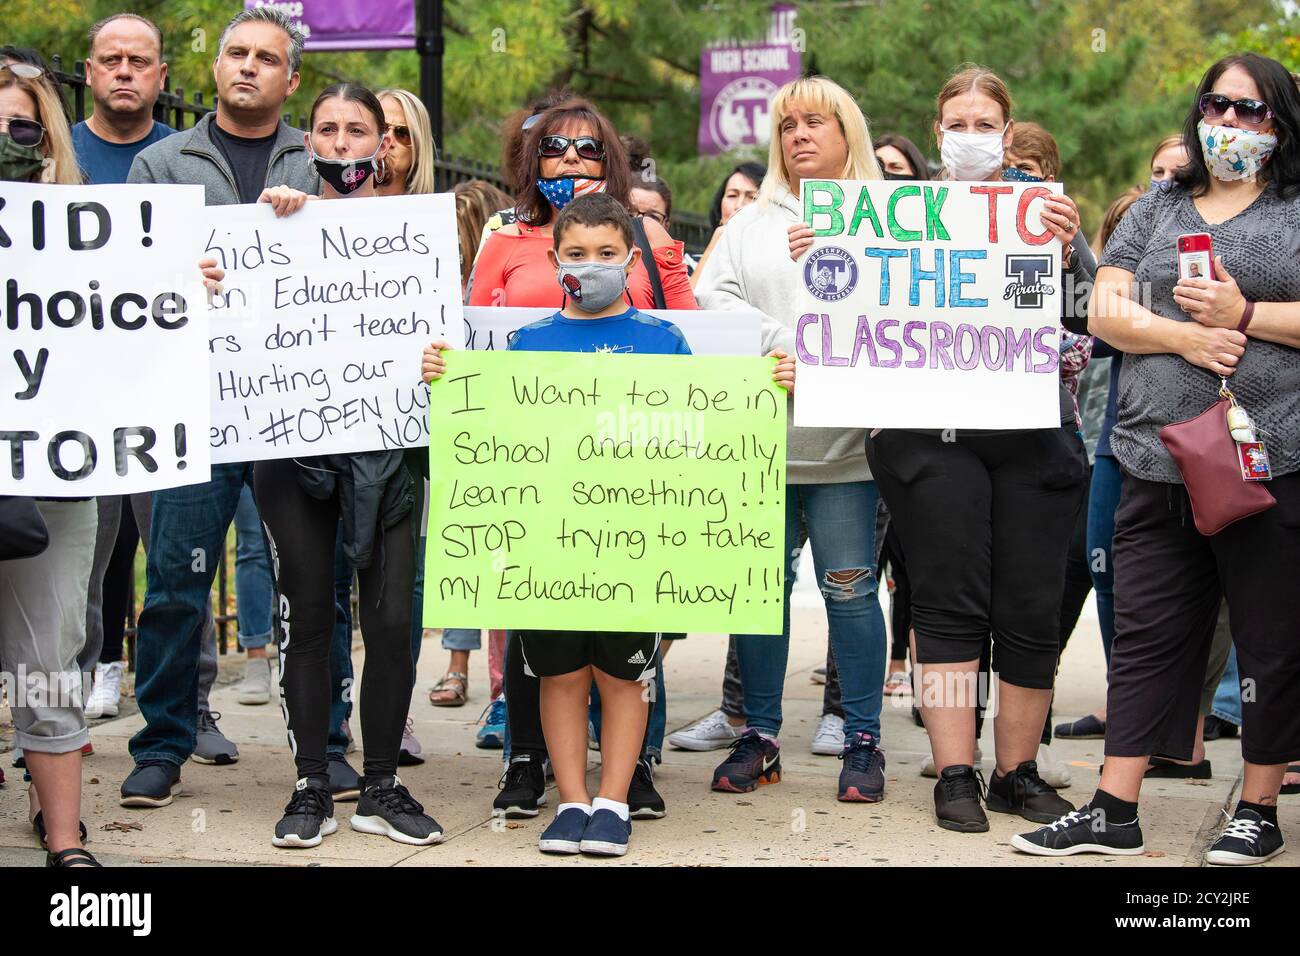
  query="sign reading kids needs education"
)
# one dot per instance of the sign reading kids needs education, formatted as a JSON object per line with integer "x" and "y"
{"x": 588, "y": 492}
{"x": 317, "y": 334}
{"x": 103, "y": 318}
{"x": 928, "y": 305}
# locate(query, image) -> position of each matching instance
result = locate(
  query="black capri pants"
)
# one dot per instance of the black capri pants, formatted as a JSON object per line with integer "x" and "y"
{"x": 985, "y": 522}
{"x": 1168, "y": 582}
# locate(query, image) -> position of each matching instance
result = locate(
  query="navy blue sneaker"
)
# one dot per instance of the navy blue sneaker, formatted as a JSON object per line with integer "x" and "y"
{"x": 862, "y": 778}
{"x": 606, "y": 835}
{"x": 564, "y": 835}
{"x": 754, "y": 761}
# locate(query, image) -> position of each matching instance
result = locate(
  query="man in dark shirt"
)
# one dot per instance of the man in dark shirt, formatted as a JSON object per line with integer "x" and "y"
{"x": 124, "y": 73}
{"x": 235, "y": 153}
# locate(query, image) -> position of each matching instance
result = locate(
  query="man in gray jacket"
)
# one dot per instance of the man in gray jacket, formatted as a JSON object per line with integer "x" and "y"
{"x": 235, "y": 154}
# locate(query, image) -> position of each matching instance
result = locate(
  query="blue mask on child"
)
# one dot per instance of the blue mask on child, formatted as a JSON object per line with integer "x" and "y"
{"x": 1013, "y": 175}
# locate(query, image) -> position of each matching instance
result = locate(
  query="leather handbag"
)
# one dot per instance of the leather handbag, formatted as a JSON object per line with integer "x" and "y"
{"x": 1207, "y": 458}
{"x": 22, "y": 529}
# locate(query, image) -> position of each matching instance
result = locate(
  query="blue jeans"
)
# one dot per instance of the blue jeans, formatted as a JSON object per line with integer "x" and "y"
{"x": 461, "y": 638}
{"x": 341, "y": 677}
{"x": 1227, "y": 699}
{"x": 654, "y": 737}
{"x": 1103, "y": 499}
{"x": 254, "y": 591}
{"x": 186, "y": 541}
{"x": 841, "y": 523}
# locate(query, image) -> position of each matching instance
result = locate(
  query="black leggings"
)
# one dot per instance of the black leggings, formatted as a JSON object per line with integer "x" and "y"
{"x": 117, "y": 584}
{"x": 984, "y": 522}
{"x": 301, "y": 532}
{"x": 900, "y": 600}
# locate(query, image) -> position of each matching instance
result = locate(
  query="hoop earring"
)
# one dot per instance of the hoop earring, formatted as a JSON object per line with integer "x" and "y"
{"x": 381, "y": 173}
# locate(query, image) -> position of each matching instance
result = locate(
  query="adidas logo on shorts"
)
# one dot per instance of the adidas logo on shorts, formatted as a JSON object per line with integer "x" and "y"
{"x": 637, "y": 658}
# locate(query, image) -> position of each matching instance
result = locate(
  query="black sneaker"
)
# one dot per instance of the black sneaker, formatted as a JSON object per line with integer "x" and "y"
{"x": 1024, "y": 792}
{"x": 957, "y": 800}
{"x": 345, "y": 783}
{"x": 754, "y": 761}
{"x": 522, "y": 786}
{"x": 643, "y": 800}
{"x": 1247, "y": 839}
{"x": 1216, "y": 727}
{"x": 151, "y": 784}
{"x": 862, "y": 779}
{"x": 1082, "y": 831}
{"x": 308, "y": 818}
{"x": 386, "y": 808}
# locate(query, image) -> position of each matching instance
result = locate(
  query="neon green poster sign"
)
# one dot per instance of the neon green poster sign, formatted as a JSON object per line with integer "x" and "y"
{"x": 606, "y": 492}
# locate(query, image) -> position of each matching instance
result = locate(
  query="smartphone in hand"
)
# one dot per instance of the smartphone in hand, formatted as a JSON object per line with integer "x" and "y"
{"x": 1195, "y": 256}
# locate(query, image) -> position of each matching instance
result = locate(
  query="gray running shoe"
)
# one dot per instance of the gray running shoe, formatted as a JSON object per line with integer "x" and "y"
{"x": 210, "y": 744}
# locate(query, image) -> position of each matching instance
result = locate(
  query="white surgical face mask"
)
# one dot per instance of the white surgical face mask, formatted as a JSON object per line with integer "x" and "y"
{"x": 969, "y": 157}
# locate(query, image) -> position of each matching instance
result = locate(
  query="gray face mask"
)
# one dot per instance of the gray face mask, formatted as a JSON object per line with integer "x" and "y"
{"x": 593, "y": 286}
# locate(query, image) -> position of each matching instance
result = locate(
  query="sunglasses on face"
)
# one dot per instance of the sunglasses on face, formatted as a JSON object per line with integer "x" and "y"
{"x": 400, "y": 133}
{"x": 1213, "y": 106}
{"x": 588, "y": 147}
{"x": 24, "y": 132}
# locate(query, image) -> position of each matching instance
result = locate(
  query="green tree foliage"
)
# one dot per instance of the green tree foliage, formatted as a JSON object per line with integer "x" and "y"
{"x": 1107, "y": 77}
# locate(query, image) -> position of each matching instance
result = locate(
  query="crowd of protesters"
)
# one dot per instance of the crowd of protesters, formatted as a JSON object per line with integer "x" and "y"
{"x": 989, "y": 541}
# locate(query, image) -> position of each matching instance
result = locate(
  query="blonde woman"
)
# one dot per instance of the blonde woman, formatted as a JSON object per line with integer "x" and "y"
{"x": 408, "y": 166}
{"x": 43, "y": 596}
{"x": 818, "y": 132}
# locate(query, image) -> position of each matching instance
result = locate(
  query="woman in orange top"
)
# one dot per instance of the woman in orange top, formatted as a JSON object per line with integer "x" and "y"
{"x": 570, "y": 150}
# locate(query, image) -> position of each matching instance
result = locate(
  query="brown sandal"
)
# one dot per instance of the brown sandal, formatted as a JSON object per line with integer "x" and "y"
{"x": 454, "y": 688}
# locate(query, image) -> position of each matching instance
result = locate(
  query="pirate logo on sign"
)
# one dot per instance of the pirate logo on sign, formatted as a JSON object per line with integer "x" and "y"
{"x": 1028, "y": 288}
{"x": 830, "y": 273}
{"x": 739, "y": 114}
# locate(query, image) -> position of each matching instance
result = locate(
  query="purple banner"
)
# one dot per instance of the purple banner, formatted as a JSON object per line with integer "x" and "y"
{"x": 737, "y": 82}
{"x": 350, "y": 24}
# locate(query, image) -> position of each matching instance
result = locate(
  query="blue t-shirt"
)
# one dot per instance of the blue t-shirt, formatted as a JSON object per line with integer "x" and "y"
{"x": 630, "y": 331}
{"x": 104, "y": 162}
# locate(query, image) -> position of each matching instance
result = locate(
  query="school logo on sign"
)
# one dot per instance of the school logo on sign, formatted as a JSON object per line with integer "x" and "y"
{"x": 1028, "y": 287}
{"x": 830, "y": 273}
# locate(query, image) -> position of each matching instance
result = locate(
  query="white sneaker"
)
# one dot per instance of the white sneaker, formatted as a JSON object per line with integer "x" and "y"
{"x": 255, "y": 688}
{"x": 709, "y": 733}
{"x": 411, "y": 751}
{"x": 106, "y": 693}
{"x": 927, "y": 765}
{"x": 829, "y": 738}
{"x": 1053, "y": 771}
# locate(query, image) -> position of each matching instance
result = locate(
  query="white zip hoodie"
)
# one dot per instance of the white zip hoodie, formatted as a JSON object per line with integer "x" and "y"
{"x": 751, "y": 269}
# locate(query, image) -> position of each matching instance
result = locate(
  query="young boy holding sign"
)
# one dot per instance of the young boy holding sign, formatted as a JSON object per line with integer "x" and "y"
{"x": 593, "y": 254}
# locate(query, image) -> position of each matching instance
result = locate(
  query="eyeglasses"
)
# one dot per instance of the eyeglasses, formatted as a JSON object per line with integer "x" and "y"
{"x": 656, "y": 215}
{"x": 28, "y": 71}
{"x": 588, "y": 147}
{"x": 400, "y": 133}
{"x": 23, "y": 131}
{"x": 1214, "y": 106}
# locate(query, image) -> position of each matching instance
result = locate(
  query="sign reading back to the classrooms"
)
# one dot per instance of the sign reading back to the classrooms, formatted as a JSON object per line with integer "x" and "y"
{"x": 928, "y": 305}
{"x": 606, "y": 492}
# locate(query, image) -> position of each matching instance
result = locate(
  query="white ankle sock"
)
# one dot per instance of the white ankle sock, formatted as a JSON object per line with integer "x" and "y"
{"x": 573, "y": 806}
{"x": 601, "y": 803}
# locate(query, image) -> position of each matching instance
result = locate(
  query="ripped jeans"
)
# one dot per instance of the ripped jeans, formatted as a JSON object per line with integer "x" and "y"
{"x": 840, "y": 520}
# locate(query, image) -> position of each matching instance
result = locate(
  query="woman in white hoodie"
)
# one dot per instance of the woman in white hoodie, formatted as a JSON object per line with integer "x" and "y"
{"x": 818, "y": 132}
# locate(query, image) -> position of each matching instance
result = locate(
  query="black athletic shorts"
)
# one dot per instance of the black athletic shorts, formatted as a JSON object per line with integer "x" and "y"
{"x": 623, "y": 655}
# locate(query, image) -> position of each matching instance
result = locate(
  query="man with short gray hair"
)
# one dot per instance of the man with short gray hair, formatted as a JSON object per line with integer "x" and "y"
{"x": 236, "y": 153}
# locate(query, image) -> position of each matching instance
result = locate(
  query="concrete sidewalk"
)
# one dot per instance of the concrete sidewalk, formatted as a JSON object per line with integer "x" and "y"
{"x": 227, "y": 814}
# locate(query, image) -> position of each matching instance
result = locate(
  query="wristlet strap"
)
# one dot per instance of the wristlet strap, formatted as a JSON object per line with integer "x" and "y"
{"x": 1247, "y": 314}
